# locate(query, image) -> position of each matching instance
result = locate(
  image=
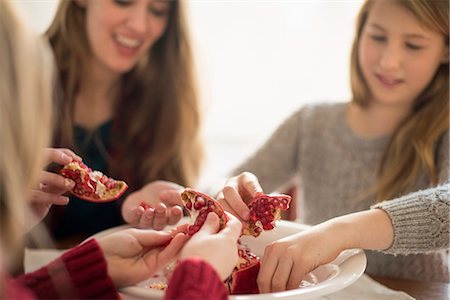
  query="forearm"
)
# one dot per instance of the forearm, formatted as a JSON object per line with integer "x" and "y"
{"x": 371, "y": 230}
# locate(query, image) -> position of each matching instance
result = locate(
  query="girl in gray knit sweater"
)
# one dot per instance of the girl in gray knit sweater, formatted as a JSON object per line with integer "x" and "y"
{"x": 390, "y": 140}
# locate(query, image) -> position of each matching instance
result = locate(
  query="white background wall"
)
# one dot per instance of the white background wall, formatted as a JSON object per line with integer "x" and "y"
{"x": 258, "y": 62}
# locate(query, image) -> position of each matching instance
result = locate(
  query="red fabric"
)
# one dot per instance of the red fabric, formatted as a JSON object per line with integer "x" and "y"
{"x": 80, "y": 273}
{"x": 195, "y": 279}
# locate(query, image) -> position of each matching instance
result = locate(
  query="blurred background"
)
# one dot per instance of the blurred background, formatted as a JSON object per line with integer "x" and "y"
{"x": 258, "y": 62}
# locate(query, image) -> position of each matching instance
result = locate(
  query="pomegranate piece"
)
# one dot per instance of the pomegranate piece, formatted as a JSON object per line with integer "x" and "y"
{"x": 243, "y": 278}
{"x": 199, "y": 205}
{"x": 264, "y": 211}
{"x": 91, "y": 185}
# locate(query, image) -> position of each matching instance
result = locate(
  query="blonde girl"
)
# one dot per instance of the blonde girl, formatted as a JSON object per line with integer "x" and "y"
{"x": 392, "y": 138}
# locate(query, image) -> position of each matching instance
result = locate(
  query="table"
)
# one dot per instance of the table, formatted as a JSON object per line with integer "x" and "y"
{"x": 417, "y": 289}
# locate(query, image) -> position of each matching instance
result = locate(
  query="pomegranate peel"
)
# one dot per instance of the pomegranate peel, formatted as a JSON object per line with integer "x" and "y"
{"x": 264, "y": 211}
{"x": 199, "y": 205}
{"x": 91, "y": 185}
{"x": 243, "y": 278}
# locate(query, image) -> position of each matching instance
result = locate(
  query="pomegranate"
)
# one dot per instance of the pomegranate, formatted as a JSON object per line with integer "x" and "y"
{"x": 264, "y": 211}
{"x": 199, "y": 205}
{"x": 91, "y": 185}
{"x": 243, "y": 278}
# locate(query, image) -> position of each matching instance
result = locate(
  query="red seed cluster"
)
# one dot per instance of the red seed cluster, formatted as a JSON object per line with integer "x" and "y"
{"x": 264, "y": 209}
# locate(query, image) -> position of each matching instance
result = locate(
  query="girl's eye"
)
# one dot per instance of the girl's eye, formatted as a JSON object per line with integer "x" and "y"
{"x": 123, "y": 2}
{"x": 159, "y": 10}
{"x": 378, "y": 38}
{"x": 413, "y": 46}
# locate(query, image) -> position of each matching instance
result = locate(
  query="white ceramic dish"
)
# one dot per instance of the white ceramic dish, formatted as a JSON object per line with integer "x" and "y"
{"x": 340, "y": 273}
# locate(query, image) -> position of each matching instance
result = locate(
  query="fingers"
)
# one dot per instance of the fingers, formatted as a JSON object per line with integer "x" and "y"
{"x": 297, "y": 274}
{"x": 175, "y": 214}
{"x": 236, "y": 203}
{"x": 54, "y": 183}
{"x": 171, "y": 197}
{"x": 159, "y": 219}
{"x": 233, "y": 228}
{"x": 268, "y": 266}
{"x": 281, "y": 275}
{"x": 46, "y": 198}
{"x": 132, "y": 215}
{"x": 250, "y": 182}
{"x": 71, "y": 154}
{"x": 146, "y": 218}
{"x": 210, "y": 226}
{"x": 59, "y": 156}
{"x": 172, "y": 249}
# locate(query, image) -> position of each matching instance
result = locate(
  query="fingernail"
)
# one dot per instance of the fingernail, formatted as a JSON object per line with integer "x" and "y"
{"x": 246, "y": 215}
{"x": 69, "y": 183}
{"x": 66, "y": 157}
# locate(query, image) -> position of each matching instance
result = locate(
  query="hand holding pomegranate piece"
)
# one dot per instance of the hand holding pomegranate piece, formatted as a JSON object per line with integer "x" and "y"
{"x": 92, "y": 185}
{"x": 287, "y": 261}
{"x": 134, "y": 255}
{"x": 238, "y": 192}
{"x": 154, "y": 206}
{"x": 215, "y": 243}
{"x": 51, "y": 186}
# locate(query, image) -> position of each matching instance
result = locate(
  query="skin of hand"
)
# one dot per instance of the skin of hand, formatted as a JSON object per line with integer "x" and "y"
{"x": 238, "y": 192}
{"x": 164, "y": 205}
{"x": 51, "y": 185}
{"x": 288, "y": 260}
{"x": 218, "y": 248}
{"x": 133, "y": 255}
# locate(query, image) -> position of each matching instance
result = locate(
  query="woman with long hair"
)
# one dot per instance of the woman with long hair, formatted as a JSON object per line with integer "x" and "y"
{"x": 128, "y": 107}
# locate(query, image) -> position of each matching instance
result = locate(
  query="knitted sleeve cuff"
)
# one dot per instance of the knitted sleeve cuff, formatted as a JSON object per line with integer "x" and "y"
{"x": 194, "y": 279}
{"x": 420, "y": 220}
{"x": 86, "y": 269}
{"x": 80, "y": 273}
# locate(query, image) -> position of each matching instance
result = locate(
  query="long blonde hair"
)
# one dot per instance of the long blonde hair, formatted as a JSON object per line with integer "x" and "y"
{"x": 156, "y": 130}
{"x": 411, "y": 150}
{"x": 26, "y": 78}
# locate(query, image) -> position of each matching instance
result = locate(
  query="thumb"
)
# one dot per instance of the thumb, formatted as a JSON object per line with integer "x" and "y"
{"x": 151, "y": 238}
{"x": 211, "y": 224}
{"x": 171, "y": 197}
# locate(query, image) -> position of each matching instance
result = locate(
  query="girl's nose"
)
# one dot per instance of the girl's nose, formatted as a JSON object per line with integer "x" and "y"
{"x": 390, "y": 58}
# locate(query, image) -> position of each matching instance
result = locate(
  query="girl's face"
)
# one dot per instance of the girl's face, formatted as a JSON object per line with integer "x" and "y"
{"x": 397, "y": 55}
{"x": 120, "y": 32}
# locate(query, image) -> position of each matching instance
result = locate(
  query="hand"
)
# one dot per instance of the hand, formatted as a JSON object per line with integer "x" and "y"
{"x": 51, "y": 185}
{"x": 219, "y": 249}
{"x": 237, "y": 194}
{"x": 163, "y": 201}
{"x": 133, "y": 255}
{"x": 286, "y": 261}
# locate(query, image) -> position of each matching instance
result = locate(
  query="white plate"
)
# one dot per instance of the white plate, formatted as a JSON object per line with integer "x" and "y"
{"x": 324, "y": 280}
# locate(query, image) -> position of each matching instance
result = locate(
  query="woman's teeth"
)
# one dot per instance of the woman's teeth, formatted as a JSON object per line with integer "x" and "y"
{"x": 127, "y": 42}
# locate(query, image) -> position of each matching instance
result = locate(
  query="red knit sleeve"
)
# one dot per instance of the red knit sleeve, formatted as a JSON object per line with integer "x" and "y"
{"x": 79, "y": 273}
{"x": 195, "y": 279}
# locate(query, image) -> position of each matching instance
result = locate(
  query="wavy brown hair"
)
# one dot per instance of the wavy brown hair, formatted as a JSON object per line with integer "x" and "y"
{"x": 411, "y": 149}
{"x": 157, "y": 119}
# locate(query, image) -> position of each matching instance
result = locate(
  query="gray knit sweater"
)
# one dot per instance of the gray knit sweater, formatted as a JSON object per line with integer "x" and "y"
{"x": 336, "y": 169}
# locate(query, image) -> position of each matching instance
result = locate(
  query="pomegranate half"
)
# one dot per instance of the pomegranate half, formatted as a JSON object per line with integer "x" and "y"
{"x": 199, "y": 205}
{"x": 92, "y": 185}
